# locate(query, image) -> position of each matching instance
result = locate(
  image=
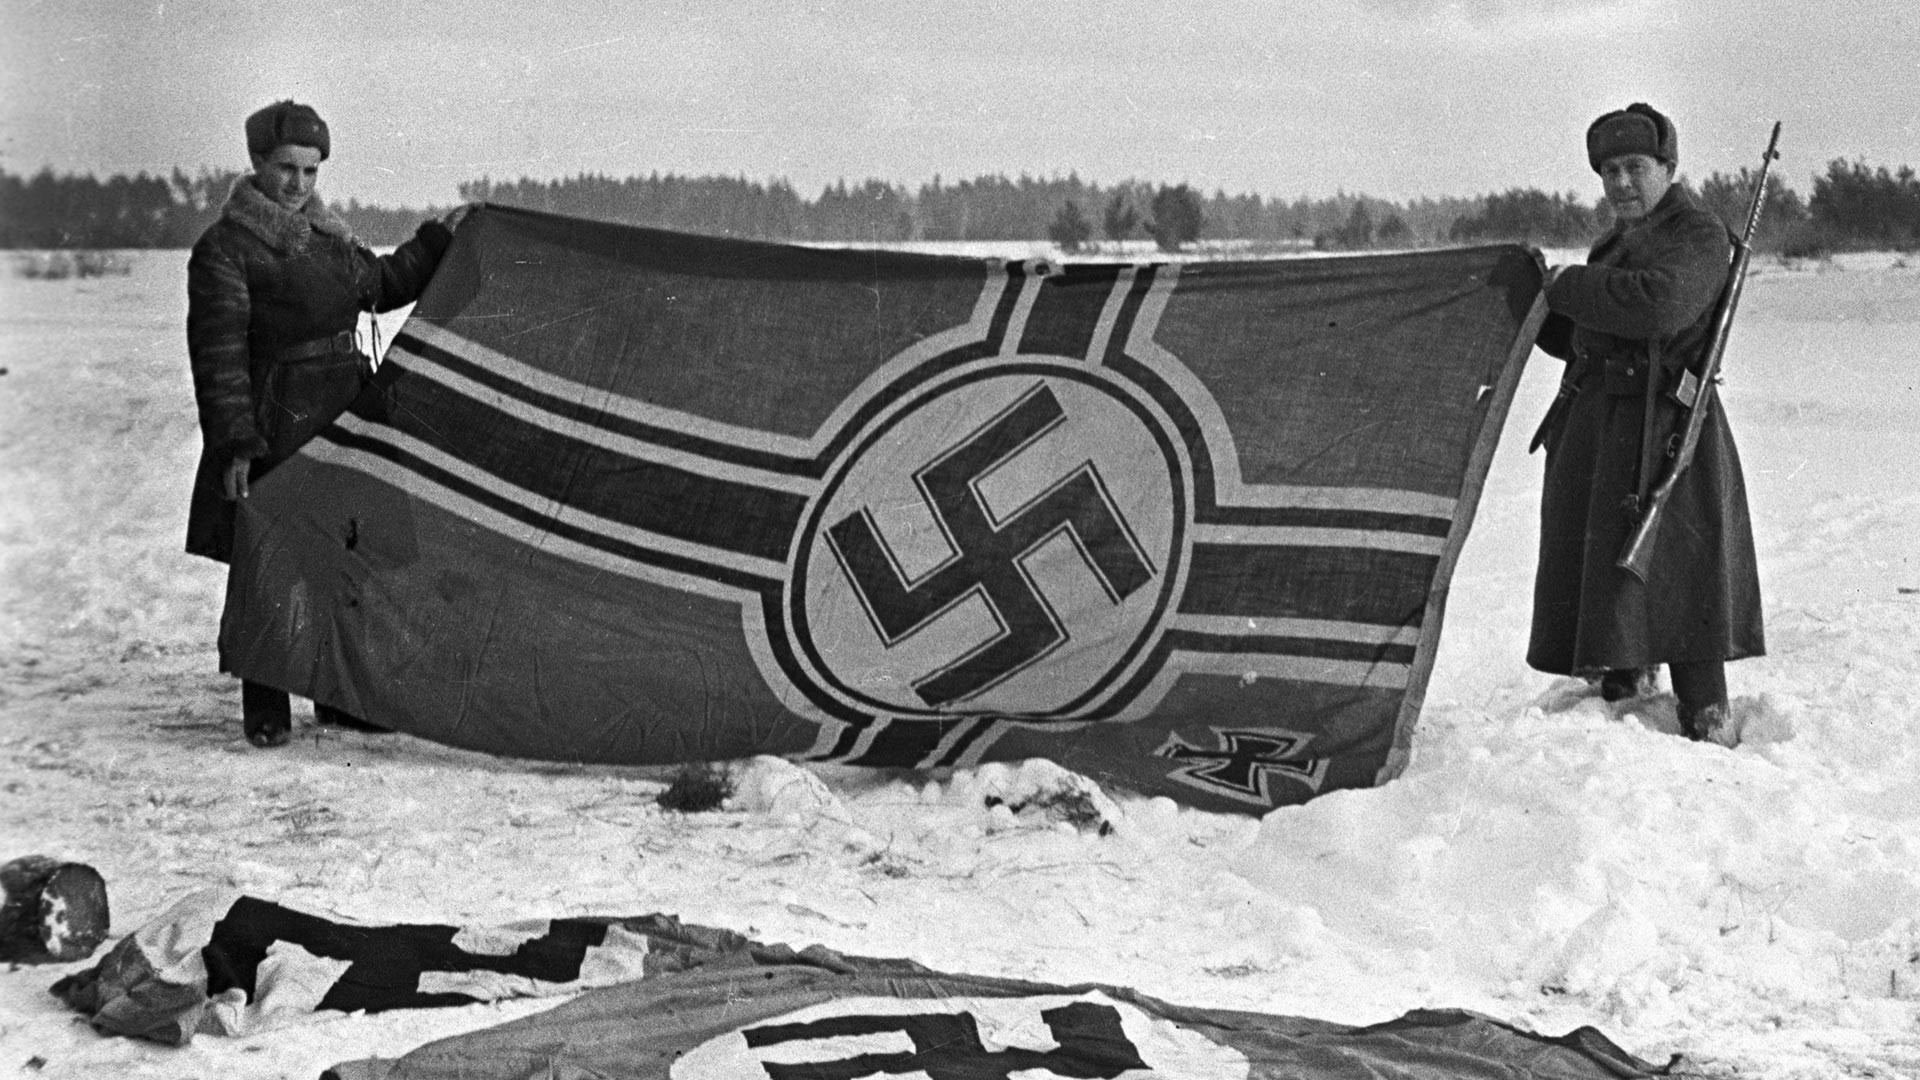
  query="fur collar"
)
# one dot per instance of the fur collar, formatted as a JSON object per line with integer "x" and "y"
{"x": 280, "y": 228}
{"x": 1675, "y": 201}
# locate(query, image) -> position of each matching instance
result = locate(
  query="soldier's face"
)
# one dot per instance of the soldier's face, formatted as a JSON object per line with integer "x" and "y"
{"x": 288, "y": 174}
{"x": 1634, "y": 184}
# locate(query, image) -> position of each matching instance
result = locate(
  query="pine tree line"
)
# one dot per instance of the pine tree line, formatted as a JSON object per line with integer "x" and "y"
{"x": 1853, "y": 206}
{"x": 49, "y": 211}
{"x": 983, "y": 208}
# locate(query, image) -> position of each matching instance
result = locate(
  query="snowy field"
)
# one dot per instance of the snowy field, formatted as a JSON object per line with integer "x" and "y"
{"x": 1548, "y": 860}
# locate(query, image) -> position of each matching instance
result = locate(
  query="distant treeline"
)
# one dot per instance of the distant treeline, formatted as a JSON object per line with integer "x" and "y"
{"x": 982, "y": 208}
{"x": 1853, "y": 207}
{"x": 47, "y": 210}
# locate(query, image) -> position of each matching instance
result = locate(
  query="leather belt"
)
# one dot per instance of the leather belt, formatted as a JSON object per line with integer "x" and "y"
{"x": 319, "y": 348}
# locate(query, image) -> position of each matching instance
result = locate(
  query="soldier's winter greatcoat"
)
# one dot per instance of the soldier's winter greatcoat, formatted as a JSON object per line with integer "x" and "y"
{"x": 1640, "y": 307}
{"x": 273, "y": 299}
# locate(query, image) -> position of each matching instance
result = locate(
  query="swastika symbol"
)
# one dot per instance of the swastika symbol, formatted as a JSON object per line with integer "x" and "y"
{"x": 988, "y": 553}
{"x": 947, "y": 1046}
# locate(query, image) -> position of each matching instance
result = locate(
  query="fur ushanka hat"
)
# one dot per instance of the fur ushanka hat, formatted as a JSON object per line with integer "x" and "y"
{"x": 1637, "y": 129}
{"x": 285, "y": 122}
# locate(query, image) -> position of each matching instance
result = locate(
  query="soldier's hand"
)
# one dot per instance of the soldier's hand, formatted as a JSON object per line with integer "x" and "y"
{"x": 234, "y": 480}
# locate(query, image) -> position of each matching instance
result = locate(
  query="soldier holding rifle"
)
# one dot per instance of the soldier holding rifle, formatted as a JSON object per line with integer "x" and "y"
{"x": 1632, "y": 323}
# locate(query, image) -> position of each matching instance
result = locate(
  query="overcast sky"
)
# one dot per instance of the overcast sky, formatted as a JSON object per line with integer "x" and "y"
{"x": 1393, "y": 98}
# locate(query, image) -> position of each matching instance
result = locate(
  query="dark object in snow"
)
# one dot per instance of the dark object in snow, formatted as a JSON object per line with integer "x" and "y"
{"x": 1073, "y": 805}
{"x": 696, "y": 788}
{"x": 54, "y": 912}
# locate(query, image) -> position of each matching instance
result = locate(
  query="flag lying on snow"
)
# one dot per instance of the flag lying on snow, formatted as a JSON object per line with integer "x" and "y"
{"x": 823, "y": 1016}
{"x": 699, "y": 1003}
{"x": 628, "y": 496}
{"x": 218, "y": 963}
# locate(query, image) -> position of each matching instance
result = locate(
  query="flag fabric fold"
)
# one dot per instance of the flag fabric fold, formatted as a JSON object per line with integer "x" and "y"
{"x": 666, "y": 1000}
{"x": 628, "y": 496}
{"x": 794, "y": 1017}
{"x": 221, "y": 963}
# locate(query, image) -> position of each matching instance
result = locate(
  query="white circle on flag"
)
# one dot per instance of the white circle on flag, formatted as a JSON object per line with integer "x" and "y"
{"x": 1168, "y": 1050}
{"x": 1074, "y": 504}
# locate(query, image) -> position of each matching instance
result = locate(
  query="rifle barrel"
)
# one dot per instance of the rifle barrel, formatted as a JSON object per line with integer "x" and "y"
{"x": 1636, "y": 555}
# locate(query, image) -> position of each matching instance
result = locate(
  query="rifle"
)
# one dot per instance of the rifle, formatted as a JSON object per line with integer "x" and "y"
{"x": 1694, "y": 392}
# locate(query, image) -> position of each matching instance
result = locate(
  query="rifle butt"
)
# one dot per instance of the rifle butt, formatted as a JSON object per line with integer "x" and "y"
{"x": 1636, "y": 555}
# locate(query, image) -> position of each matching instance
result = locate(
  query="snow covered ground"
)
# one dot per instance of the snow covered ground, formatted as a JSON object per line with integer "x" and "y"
{"x": 1548, "y": 860}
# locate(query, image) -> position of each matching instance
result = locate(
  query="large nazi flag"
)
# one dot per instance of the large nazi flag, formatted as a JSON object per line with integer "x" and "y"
{"x": 629, "y": 496}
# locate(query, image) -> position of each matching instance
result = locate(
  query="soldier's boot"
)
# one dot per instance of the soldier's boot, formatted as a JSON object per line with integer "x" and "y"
{"x": 1701, "y": 688}
{"x": 1620, "y": 684}
{"x": 1709, "y": 723}
{"x": 265, "y": 714}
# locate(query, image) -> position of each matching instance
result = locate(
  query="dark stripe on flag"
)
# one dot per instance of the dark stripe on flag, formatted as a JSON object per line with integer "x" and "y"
{"x": 1190, "y": 641}
{"x": 613, "y": 423}
{"x": 964, "y": 743}
{"x": 934, "y": 368}
{"x": 725, "y": 258}
{"x": 1148, "y": 670}
{"x": 543, "y": 522}
{"x": 1206, "y": 506}
{"x": 1308, "y": 517}
{"x": 1129, "y": 309}
{"x": 1363, "y": 585}
{"x": 663, "y": 499}
{"x": 907, "y": 742}
{"x": 1207, "y": 509}
{"x": 1009, "y": 299}
{"x": 1366, "y": 652}
{"x": 856, "y": 721}
{"x": 1067, "y": 311}
{"x": 731, "y": 453}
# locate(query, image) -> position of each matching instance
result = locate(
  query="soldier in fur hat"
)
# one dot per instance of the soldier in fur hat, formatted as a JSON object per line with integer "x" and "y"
{"x": 1628, "y": 323}
{"x": 275, "y": 290}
